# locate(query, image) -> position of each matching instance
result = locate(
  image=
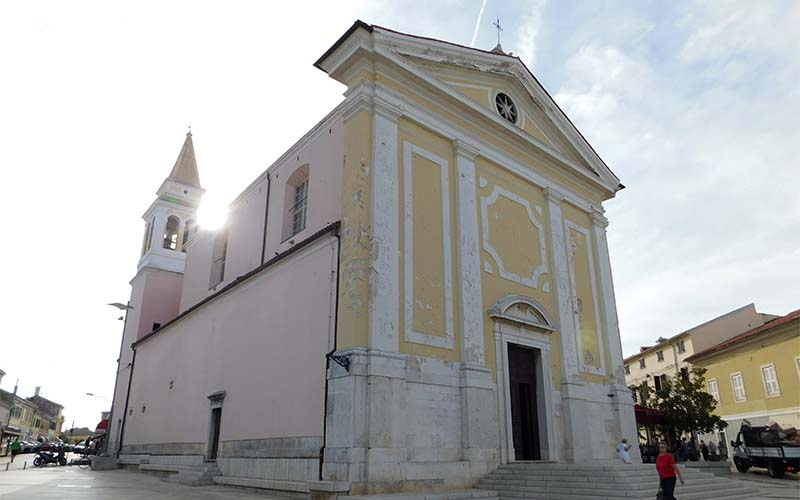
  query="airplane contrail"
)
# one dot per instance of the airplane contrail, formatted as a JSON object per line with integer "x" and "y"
{"x": 477, "y": 24}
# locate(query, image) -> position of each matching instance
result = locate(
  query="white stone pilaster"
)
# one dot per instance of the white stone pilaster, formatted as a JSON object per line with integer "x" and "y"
{"x": 384, "y": 281}
{"x": 564, "y": 303}
{"x": 623, "y": 401}
{"x": 599, "y": 223}
{"x": 472, "y": 334}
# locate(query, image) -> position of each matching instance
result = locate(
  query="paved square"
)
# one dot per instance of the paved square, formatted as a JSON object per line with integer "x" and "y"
{"x": 72, "y": 483}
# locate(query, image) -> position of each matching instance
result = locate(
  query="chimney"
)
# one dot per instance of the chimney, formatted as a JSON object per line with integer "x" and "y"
{"x": 38, "y": 389}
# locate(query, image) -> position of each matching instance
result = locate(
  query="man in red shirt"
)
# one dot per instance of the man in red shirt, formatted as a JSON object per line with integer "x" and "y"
{"x": 667, "y": 471}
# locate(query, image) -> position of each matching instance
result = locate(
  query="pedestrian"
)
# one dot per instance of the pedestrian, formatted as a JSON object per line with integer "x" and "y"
{"x": 704, "y": 450}
{"x": 683, "y": 450}
{"x": 712, "y": 451}
{"x": 667, "y": 471}
{"x": 623, "y": 448}
{"x": 15, "y": 447}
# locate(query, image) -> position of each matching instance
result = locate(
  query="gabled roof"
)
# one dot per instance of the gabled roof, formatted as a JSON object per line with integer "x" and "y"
{"x": 401, "y": 46}
{"x": 792, "y": 317}
{"x": 185, "y": 169}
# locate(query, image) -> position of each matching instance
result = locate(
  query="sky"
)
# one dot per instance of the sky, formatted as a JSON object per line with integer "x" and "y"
{"x": 693, "y": 105}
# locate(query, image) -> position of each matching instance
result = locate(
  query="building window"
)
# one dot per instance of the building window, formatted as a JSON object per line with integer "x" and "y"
{"x": 296, "y": 202}
{"x": 713, "y": 389}
{"x": 641, "y": 363}
{"x": 189, "y": 228}
{"x": 685, "y": 374}
{"x": 627, "y": 370}
{"x": 171, "y": 233}
{"x": 771, "y": 388}
{"x": 660, "y": 355}
{"x": 218, "y": 258}
{"x": 506, "y": 107}
{"x": 738, "y": 387}
{"x": 681, "y": 347}
{"x": 299, "y": 207}
{"x": 657, "y": 382}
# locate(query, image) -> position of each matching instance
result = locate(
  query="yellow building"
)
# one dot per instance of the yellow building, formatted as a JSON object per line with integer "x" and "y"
{"x": 668, "y": 358}
{"x": 756, "y": 375}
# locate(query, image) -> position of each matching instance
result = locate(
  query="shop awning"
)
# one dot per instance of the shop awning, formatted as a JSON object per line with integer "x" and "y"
{"x": 10, "y": 431}
{"x": 102, "y": 426}
{"x": 648, "y": 416}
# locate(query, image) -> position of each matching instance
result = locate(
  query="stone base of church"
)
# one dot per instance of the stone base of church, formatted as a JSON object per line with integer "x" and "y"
{"x": 399, "y": 422}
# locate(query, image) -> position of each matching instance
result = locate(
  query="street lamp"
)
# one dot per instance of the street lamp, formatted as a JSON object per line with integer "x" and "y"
{"x": 98, "y": 396}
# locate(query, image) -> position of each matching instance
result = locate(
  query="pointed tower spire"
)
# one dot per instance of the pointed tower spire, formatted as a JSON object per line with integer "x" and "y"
{"x": 185, "y": 169}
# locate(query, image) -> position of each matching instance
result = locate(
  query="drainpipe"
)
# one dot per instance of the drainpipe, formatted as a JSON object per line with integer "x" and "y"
{"x": 116, "y": 380}
{"x": 328, "y": 357}
{"x": 127, "y": 399}
{"x": 266, "y": 216}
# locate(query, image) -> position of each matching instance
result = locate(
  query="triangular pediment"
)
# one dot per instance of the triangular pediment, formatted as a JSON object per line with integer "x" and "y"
{"x": 474, "y": 77}
{"x": 483, "y": 87}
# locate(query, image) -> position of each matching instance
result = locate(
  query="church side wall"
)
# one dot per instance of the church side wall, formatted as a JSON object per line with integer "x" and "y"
{"x": 321, "y": 153}
{"x": 263, "y": 343}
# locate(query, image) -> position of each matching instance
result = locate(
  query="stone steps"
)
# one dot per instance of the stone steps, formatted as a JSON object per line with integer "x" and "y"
{"x": 189, "y": 475}
{"x": 470, "y": 494}
{"x": 550, "y": 481}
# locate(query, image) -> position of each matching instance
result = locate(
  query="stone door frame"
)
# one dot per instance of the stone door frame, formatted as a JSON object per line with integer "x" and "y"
{"x": 509, "y": 332}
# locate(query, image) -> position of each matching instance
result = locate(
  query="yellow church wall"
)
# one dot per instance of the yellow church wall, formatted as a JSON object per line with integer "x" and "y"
{"x": 524, "y": 155}
{"x": 353, "y": 320}
{"x": 511, "y": 230}
{"x": 586, "y": 281}
{"x": 429, "y": 249}
{"x": 781, "y": 350}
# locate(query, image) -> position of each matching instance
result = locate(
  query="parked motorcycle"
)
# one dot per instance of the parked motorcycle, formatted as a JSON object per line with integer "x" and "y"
{"x": 57, "y": 456}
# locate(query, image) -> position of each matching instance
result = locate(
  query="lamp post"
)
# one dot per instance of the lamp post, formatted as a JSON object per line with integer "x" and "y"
{"x": 98, "y": 396}
{"x": 122, "y": 307}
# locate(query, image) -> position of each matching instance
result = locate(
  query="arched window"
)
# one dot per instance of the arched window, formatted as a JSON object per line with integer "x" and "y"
{"x": 189, "y": 228}
{"x": 171, "y": 233}
{"x": 296, "y": 202}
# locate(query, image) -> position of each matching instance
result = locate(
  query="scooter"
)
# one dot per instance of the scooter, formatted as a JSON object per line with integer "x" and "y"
{"x": 49, "y": 457}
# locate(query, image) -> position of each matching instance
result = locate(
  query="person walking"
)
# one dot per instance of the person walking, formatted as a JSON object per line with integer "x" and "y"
{"x": 622, "y": 449}
{"x": 712, "y": 451}
{"x": 667, "y": 472}
{"x": 704, "y": 450}
{"x": 723, "y": 451}
{"x": 15, "y": 447}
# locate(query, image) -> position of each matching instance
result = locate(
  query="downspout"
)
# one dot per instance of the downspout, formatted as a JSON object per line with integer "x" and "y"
{"x": 327, "y": 358}
{"x": 127, "y": 399}
{"x": 266, "y": 216}
{"x": 116, "y": 380}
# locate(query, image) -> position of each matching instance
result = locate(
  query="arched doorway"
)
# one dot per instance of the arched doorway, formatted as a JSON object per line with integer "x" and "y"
{"x": 522, "y": 328}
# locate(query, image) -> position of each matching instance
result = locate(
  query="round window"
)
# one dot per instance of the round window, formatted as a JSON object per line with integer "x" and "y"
{"x": 506, "y": 107}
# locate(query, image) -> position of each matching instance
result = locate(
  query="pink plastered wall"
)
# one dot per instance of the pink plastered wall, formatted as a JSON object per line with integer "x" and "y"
{"x": 160, "y": 300}
{"x": 263, "y": 342}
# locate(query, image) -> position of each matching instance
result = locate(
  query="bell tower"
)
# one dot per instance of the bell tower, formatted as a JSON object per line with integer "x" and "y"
{"x": 156, "y": 289}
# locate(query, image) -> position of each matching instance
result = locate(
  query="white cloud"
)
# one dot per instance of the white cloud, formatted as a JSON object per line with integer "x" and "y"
{"x": 528, "y": 32}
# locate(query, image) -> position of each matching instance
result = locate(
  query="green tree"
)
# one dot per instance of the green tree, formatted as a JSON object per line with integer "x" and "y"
{"x": 686, "y": 405}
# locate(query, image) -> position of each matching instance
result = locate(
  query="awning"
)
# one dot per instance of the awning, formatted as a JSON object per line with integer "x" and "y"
{"x": 10, "y": 431}
{"x": 648, "y": 416}
{"x": 102, "y": 426}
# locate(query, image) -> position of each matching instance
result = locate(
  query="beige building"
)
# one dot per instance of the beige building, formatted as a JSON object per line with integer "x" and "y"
{"x": 667, "y": 358}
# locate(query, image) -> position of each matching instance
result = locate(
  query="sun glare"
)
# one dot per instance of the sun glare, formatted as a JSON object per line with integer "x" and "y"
{"x": 211, "y": 215}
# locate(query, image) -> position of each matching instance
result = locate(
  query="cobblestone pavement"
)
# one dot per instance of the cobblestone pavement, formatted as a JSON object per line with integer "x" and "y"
{"x": 72, "y": 483}
{"x": 769, "y": 488}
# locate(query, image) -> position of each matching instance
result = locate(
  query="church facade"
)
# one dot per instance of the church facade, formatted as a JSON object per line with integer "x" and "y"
{"x": 417, "y": 291}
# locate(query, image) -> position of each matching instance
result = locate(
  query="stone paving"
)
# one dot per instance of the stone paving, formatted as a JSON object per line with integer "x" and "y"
{"x": 72, "y": 483}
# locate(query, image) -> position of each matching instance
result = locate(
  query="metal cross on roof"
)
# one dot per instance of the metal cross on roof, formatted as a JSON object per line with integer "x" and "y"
{"x": 496, "y": 24}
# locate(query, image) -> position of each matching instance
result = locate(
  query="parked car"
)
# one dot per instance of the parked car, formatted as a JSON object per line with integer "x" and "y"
{"x": 79, "y": 448}
{"x": 28, "y": 446}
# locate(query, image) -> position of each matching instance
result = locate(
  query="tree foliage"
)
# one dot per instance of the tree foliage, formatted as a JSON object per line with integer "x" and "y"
{"x": 684, "y": 403}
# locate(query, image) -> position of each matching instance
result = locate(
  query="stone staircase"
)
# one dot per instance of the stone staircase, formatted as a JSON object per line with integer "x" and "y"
{"x": 471, "y": 494}
{"x": 189, "y": 475}
{"x": 554, "y": 481}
